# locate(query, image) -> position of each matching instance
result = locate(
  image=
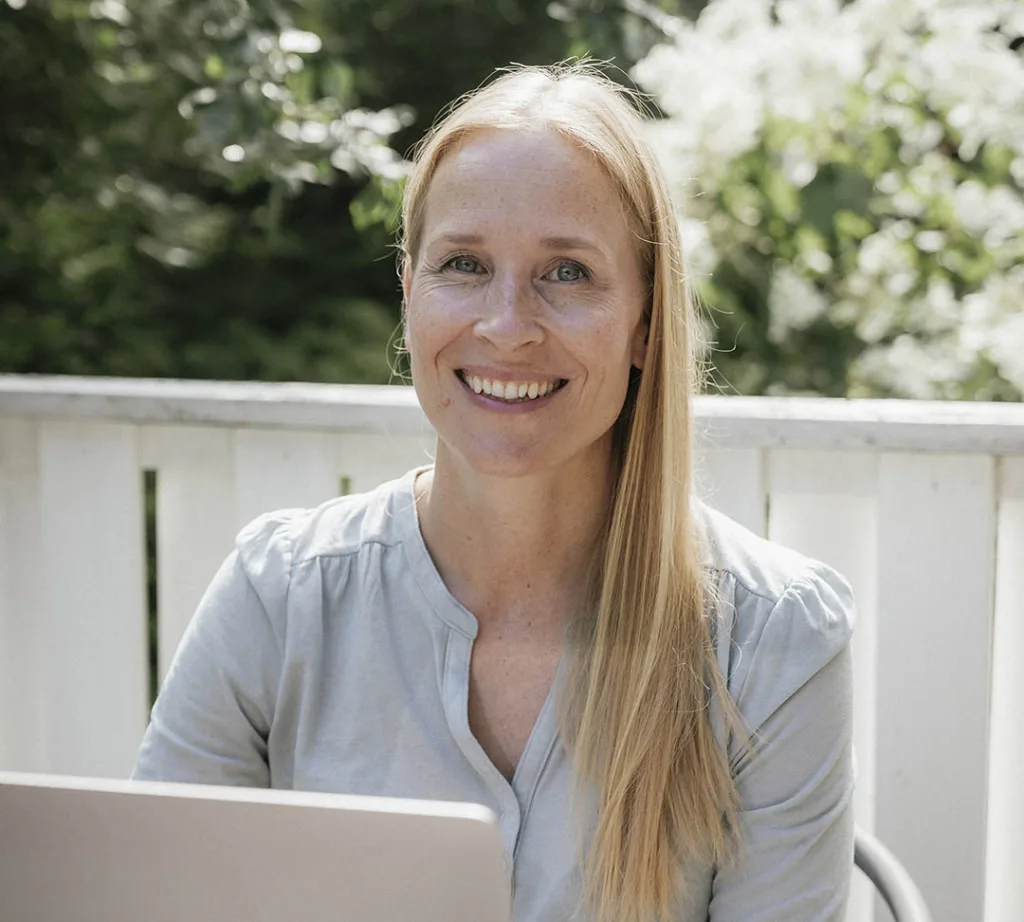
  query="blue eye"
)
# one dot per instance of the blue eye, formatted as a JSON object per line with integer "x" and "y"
{"x": 570, "y": 272}
{"x": 463, "y": 264}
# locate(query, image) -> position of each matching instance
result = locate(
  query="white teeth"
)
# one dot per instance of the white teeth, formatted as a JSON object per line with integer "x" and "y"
{"x": 512, "y": 390}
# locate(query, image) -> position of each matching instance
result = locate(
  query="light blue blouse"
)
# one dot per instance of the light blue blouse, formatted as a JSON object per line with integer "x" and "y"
{"x": 328, "y": 655}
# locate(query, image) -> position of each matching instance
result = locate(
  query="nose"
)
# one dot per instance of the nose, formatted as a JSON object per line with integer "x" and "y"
{"x": 510, "y": 314}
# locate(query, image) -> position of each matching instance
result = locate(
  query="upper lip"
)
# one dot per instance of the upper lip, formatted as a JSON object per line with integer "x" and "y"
{"x": 508, "y": 375}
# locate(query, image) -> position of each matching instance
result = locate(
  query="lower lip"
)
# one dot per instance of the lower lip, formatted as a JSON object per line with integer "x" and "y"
{"x": 495, "y": 404}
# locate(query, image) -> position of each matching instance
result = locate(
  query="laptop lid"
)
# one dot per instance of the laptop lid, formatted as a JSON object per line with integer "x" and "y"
{"x": 95, "y": 850}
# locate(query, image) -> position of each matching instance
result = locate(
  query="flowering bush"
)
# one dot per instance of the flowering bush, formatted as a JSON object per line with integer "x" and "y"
{"x": 851, "y": 178}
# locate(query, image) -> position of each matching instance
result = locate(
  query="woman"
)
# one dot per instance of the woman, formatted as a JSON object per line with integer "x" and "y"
{"x": 655, "y": 702}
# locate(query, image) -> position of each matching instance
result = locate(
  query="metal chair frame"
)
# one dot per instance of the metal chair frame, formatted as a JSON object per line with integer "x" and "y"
{"x": 890, "y": 878}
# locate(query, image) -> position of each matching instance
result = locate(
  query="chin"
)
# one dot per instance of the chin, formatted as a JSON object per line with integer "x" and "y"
{"x": 523, "y": 457}
{"x": 503, "y": 460}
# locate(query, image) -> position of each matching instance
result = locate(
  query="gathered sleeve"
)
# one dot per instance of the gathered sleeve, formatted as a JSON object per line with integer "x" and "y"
{"x": 212, "y": 718}
{"x": 793, "y": 688}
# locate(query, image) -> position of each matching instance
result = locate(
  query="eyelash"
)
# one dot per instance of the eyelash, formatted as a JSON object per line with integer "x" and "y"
{"x": 449, "y": 263}
{"x": 584, "y": 271}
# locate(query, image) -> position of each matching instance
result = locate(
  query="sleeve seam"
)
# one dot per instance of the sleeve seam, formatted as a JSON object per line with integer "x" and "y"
{"x": 801, "y": 580}
{"x": 804, "y": 575}
{"x": 259, "y": 598}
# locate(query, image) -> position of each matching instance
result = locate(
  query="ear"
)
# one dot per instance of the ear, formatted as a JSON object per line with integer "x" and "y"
{"x": 639, "y": 351}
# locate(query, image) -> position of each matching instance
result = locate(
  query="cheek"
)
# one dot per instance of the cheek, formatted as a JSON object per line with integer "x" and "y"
{"x": 418, "y": 343}
{"x": 607, "y": 341}
{"x": 436, "y": 309}
{"x": 433, "y": 322}
{"x": 424, "y": 321}
{"x": 611, "y": 351}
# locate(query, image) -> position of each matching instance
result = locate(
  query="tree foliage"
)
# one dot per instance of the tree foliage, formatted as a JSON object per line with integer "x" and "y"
{"x": 208, "y": 188}
{"x": 851, "y": 178}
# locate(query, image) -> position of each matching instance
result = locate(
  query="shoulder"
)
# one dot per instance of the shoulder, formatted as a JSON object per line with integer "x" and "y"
{"x": 757, "y": 566}
{"x": 272, "y": 547}
{"x": 760, "y": 575}
{"x": 781, "y": 616}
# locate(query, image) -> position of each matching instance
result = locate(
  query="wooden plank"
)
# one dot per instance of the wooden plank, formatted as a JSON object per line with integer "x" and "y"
{"x": 823, "y": 505}
{"x": 23, "y": 700}
{"x": 936, "y": 535}
{"x": 93, "y": 597}
{"x": 805, "y": 423}
{"x": 1004, "y": 892}
{"x": 389, "y": 410}
{"x": 195, "y": 521}
{"x": 833, "y": 424}
{"x": 276, "y": 469}
{"x": 733, "y": 481}
{"x": 366, "y": 461}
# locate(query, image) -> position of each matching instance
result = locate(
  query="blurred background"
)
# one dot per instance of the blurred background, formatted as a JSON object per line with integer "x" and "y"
{"x": 209, "y": 188}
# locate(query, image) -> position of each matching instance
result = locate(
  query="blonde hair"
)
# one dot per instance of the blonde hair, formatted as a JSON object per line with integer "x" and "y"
{"x": 635, "y": 716}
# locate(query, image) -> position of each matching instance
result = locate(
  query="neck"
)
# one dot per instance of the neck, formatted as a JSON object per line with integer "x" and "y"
{"x": 515, "y": 548}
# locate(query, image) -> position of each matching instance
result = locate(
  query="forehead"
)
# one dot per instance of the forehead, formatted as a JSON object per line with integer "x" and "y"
{"x": 534, "y": 181}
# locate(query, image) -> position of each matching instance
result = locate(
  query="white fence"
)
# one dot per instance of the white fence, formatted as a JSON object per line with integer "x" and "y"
{"x": 920, "y": 505}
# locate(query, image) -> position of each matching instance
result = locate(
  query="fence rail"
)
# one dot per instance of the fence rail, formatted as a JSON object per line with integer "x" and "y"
{"x": 920, "y": 505}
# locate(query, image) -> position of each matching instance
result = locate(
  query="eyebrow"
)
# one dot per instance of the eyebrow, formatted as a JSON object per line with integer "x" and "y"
{"x": 467, "y": 239}
{"x": 570, "y": 243}
{"x": 551, "y": 243}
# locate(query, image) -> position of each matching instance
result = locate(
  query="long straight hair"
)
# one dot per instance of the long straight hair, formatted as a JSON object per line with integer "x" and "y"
{"x": 635, "y": 712}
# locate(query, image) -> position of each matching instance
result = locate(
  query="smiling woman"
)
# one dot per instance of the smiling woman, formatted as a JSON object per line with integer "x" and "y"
{"x": 525, "y": 274}
{"x": 655, "y": 702}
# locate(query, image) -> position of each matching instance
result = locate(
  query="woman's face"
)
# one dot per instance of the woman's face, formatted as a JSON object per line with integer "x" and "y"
{"x": 524, "y": 304}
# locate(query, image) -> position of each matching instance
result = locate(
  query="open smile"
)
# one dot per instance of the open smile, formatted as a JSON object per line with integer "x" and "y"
{"x": 521, "y": 391}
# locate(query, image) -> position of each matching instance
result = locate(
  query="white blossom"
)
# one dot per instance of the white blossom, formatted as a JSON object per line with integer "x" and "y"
{"x": 993, "y": 324}
{"x": 819, "y": 83}
{"x": 299, "y": 42}
{"x": 794, "y": 304}
{"x": 912, "y": 367}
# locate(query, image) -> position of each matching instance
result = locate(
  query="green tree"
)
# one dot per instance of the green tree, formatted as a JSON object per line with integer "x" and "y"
{"x": 208, "y": 188}
{"x": 851, "y": 180}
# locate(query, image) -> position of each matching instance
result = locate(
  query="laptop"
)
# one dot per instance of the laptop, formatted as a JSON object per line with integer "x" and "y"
{"x": 96, "y": 850}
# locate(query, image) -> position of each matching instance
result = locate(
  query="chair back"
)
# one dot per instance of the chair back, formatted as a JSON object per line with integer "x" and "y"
{"x": 890, "y": 878}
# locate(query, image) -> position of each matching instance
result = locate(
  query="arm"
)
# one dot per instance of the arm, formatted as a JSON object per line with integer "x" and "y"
{"x": 213, "y": 715}
{"x": 796, "y": 788}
